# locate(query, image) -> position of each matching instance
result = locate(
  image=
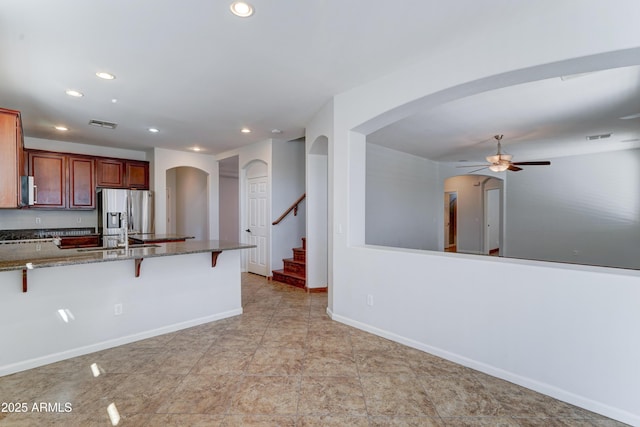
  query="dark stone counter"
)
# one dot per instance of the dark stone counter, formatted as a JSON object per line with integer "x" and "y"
{"x": 46, "y": 254}
{"x": 158, "y": 238}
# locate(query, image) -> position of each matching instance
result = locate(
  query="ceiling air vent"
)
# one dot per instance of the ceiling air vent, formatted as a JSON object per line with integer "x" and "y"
{"x": 595, "y": 137}
{"x": 102, "y": 124}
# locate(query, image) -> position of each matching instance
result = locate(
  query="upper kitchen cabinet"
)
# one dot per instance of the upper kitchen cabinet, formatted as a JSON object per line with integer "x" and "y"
{"x": 49, "y": 171}
{"x": 110, "y": 173}
{"x": 137, "y": 174}
{"x": 11, "y": 158}
{"x": 121, "y": 173}
{"x": 62, "y": 181}
{"x": 82, "y": 184}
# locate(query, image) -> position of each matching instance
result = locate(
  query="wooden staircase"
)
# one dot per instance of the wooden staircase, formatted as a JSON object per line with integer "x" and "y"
{"x": 294, "y": 272}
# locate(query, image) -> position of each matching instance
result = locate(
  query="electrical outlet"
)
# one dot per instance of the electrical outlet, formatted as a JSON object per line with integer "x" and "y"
{"x": 117, "y": 309}
{"x": 370, "y": 300}
{"x": 38, "y": 221}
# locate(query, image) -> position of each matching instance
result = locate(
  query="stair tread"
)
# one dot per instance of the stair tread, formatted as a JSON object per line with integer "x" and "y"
{"x": 294, "y": 261}
{"x": 288, "y": 273}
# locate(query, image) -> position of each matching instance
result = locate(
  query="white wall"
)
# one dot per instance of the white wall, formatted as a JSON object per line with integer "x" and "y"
{"x": 583, "y": 209}
{"x": 11, "y": 219}
{"x": 319, "y": 177}
{"x": 247, "y": 156}
{"x": 191, "y": 214}
{"x": 77, "y": 148}
{"x": 317, "y": 204}
{"x": 287, "y": 184}
{"x": 172, "y": 293}
{"x": 401, "y": 199}
{"x": 566, "y": 331}
{"x": 167, "y": 159}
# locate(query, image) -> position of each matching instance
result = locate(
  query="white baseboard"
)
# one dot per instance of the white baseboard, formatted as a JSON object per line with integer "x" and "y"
{"x": 547, "y": 389}
{"x": 80, "y": 351}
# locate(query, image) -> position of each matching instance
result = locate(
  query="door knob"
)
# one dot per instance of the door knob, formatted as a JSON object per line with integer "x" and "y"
{"x": 247, "y": 230}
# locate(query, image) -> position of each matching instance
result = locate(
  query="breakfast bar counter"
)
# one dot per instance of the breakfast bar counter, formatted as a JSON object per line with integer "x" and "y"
{"x": 47, "y": 254}
{"x": 84, "y": 300}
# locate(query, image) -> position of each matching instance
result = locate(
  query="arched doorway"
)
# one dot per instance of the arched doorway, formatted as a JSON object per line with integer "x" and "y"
{"x": 317, "y": 214}
{"x": 188, "y": 202}
{"x": 473, "y": 220}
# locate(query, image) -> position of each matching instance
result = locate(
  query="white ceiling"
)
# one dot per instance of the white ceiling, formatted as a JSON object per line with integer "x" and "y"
{"x": 200, "y": 74}
{"x": 539, "y": 120}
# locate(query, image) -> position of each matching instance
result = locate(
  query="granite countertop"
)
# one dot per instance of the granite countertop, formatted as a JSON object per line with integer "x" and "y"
{"x": 157, "y": 238}
{"x": 47, "y": 254}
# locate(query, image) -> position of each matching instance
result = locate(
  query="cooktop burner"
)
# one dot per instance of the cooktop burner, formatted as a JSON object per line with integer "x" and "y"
{"x": 40, "y": 235}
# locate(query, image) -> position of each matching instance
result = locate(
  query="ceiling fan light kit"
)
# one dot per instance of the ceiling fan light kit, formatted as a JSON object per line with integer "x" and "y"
{"x": 501, "y": 162}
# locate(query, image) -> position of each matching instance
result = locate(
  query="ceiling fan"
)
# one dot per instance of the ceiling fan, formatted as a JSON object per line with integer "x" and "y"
{"x": 501, "y": 162}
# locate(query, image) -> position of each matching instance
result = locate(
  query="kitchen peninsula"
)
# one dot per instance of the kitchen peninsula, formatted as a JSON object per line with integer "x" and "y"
{"x": 95, "y": 298}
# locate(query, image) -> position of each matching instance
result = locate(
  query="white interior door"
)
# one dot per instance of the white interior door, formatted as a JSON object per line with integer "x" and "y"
{"x": 258, "y": 224}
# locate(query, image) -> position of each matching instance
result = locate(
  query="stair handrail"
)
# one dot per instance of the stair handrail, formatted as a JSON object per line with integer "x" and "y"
{"x": 293, "y": 207}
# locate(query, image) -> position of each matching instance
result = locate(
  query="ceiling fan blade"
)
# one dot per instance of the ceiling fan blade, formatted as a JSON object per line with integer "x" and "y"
{"x": 485, "y": 167}
{"x": 473, "y": 166}
{"x": 514, "y": 168}
{"x": 544, "y": 163}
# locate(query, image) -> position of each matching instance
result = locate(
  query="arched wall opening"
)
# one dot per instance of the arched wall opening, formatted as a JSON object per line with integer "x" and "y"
{"x": 229, "y": 206}
{"x": 317, "y": 213}
{"x": 418, "y": 304}
{"x": 188, "y": 202}
{"x": 478, "y": 221}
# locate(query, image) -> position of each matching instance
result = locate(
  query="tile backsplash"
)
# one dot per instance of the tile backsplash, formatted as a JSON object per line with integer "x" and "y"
{"x": 12, "y": 219}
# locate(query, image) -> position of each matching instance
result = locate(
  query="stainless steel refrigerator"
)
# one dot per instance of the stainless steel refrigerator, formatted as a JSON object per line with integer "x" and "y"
{"x": 119, "y": 208}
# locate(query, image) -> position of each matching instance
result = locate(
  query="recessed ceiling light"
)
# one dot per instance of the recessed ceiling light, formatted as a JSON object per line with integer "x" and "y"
{"x": 74, "y": 93}
{"x": 61, "y": 128}
{"x": 196, "y": 149}
{"x": 105, "y": 75}
{"x": 153, "y": 130}
{"x": 114, "y": 100}
{"x": 241, "y": 9}
{"x": 276, "y": 131}
{"x": 245, "y": 130}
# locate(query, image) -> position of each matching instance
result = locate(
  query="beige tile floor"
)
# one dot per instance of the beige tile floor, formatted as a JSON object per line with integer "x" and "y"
{"x": 282, "y": 363}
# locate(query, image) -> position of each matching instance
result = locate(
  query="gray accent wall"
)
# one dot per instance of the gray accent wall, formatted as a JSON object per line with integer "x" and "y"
{"x": 581, "y": 209}
{"x": 403, "y": 197}
{"x": 288, "y": 184}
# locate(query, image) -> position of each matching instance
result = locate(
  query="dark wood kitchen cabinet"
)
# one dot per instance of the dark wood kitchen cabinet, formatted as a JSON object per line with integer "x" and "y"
{"x": 49, "y": 177}
{"x": 110, "y": 173}
{"x": 11, "y": 158}
{"x": 82, "y": 182}
{"x": 122, "y": 173}
{"x": 137, "y": 175}
{"x": 62, "y": 181}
